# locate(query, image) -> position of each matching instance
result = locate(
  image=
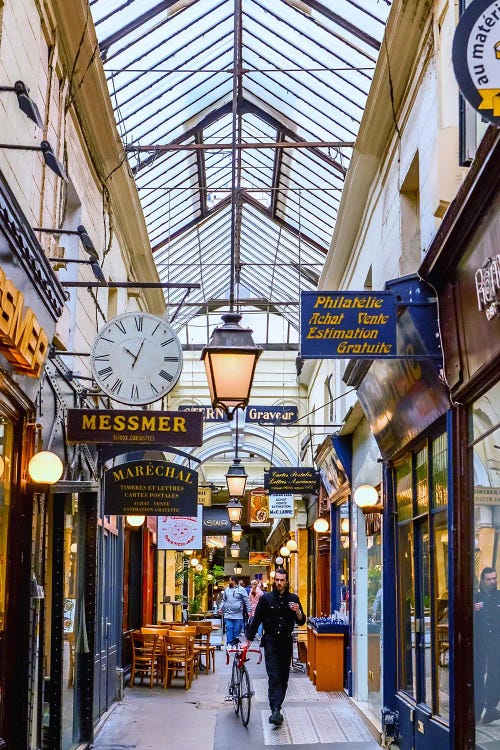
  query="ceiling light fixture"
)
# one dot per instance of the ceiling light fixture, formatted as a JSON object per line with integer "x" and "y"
{"x": 234, "y": 510}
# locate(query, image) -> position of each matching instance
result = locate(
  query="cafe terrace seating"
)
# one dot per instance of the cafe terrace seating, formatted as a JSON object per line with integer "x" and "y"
{"x": 147, "y": 655}
{"x": 179, "y": 657}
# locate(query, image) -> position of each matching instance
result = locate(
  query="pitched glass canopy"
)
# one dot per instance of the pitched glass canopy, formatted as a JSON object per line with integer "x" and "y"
{"x": 239, "y": 118}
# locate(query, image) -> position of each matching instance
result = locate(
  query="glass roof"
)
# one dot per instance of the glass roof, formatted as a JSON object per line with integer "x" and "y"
{"x": 239, "y": 118}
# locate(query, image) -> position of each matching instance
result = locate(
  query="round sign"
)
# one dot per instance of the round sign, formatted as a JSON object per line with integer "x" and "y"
{"x": 476, "y": 57}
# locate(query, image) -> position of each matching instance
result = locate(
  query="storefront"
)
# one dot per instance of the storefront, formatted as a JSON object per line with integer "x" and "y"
{"x": 31, "y": 302}
{"x": 405, "y": 404}
{"x": 464, "y": 266}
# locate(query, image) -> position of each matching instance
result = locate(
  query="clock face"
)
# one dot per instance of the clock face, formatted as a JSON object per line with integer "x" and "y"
{"x": 136, "y": 358}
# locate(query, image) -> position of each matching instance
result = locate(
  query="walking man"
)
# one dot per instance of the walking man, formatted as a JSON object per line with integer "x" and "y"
{"x": 234, "y": 606}
{"x": 486, "y": 650}
{"x": 279, "y": 611}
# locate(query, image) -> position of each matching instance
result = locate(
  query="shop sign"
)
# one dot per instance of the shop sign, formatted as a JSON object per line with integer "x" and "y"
{"x": 150, "y": 488}
{"x": 281, "y": 506}
{"x": 129, "y": 426}
{"x": 216, "y": 521}
{"x": 297, "y": 480}
{"x": 208, "y": 413}
{"x": 476, "y": 57}
{"x": 23, "y": 341}
{"x": 258, "y": 508}
{"x": 486, "y": 495}
{"x": 205, "y": 496}
{"x": 259, "y": 559}
{"x": 273, "y": 415}
{"x": 348, "y": 325}
{"x": 180, "y": 532}
{"x": 487, "y": 280}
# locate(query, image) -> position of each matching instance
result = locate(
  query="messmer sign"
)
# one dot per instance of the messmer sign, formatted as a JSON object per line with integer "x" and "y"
{"x": 348, "y": 325}
{"x": 476, "y": 57}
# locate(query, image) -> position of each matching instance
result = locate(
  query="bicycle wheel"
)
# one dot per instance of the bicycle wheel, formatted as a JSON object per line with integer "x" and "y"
{"x": 245, "y": 695}
{"x": 235, "y": 686}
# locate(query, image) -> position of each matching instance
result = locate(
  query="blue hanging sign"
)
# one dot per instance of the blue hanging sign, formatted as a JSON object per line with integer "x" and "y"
{"x": 348, "y": 325}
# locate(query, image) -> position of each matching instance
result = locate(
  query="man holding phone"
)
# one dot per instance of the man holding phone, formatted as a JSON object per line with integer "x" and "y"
{"x": 279, "y": 611}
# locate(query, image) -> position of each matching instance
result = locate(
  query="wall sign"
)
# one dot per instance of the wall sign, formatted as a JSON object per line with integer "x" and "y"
{"x": 205, "y": 496}
{"x": 180, "y": 532}
{"x": 275, "y": 415}
{"x": 259, "y": 559}
{"x": 348, "y": 325}
{"x": 129, "y": 426}
{"x": 487, "y": 280}
{"x": 296, "y": 480}
{"x": 281, "y": 506}
{"x": 150, "y": 488}
{"x": 258, "y": 508}
{"x": 23, "y": 341}
{"x": 216, "y": 521}
{"x": 476, "y": 57}
{"x": 208, "y": 413}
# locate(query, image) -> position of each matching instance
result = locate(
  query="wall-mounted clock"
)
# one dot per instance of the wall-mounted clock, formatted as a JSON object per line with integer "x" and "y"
{"x": 136, "y": 358}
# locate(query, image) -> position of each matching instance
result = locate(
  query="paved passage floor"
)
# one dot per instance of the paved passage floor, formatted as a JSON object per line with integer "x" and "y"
{"x": 201, "y": 719}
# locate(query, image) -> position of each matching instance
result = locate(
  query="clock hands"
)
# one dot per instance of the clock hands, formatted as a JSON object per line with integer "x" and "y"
{"x": 128, "y": 352}
{"x": 137, "y": 355}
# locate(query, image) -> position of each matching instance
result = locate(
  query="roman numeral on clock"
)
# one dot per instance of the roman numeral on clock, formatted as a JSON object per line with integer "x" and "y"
{"x": 135, "y": 392}
{"x": 166, "y": 375}
{"x": 119, "y": 324}
{"x": 153, "y": 388}
{"x": 138, "y": 323}
{"x": 167, "y": 341}
{"x": 170, "y": 359}
{"x": 102, "y": 358}
{"x": 105, "y": 373}
{"x": 116, "y": 387}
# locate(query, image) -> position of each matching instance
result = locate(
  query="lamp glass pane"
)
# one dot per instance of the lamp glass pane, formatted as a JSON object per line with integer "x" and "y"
{"x": 232, "y": 375}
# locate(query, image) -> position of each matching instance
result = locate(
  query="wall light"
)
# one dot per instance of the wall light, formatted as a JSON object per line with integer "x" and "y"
{"x": 194, "y": 562}
{"x": 47, "y": 153}
{"x": 45, "y": 467}
{"x": 321, "y": 525}
{"x": 188, "y": 552}
{"x": 292, "y": 545}
{"x": 278, "y": 560}
{"x": 284, "y": 551}
{"x": 25, "y": 102}
{"x": 199, "y": 568}
{"x": 135, "y": 521}
{"x": 344, "y": 526}
{"x": 367, "y": 498}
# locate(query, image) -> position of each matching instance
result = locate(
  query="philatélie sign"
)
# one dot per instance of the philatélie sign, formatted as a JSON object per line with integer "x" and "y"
{"x": 291, "y": 479}
{"x": 348, "y": 325}
{"x": 476, "y": 57}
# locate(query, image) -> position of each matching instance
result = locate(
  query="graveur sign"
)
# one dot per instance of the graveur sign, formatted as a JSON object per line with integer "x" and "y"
{"x": 296, "y": 480}
{"x": 348, "y": 325}
{"x": 150, "y": 488}
{"x": 128, "y": 426}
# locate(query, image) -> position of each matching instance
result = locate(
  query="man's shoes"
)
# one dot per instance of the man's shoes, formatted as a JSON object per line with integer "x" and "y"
{"x": 276, "y": 717}
{"x": 490, "y": 714}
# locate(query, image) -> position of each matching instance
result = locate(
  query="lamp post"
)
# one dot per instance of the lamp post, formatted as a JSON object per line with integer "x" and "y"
{"x": 230, "y": 359}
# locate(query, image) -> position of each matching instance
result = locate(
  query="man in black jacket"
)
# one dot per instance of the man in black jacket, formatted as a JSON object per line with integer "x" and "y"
{"x": 278, "y": 611}
{"x": 486, "y": 650}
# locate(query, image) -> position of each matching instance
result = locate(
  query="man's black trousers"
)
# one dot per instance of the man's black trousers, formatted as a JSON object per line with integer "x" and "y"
{"x": 278, "y": 658}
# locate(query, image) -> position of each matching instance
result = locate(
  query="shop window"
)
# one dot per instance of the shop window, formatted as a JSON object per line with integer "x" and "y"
{"x": 422, "y": 570}
{"x": 6, "y": 447}
{"x": 484, "y": 442}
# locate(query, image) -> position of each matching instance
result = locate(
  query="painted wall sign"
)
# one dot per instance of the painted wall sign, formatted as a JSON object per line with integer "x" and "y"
{"x": 281, "y": 506}
{"x": 296, "y": 480}
{"x": 259, "y": 559}
{"x": 23, "y": 341}
{"x": 348, "y": 325}
{"x": 476, "y": 57}
{"x": 216, "y": 521}
{"x": 275, "y": 415}
{"x": 258, "y": 508}
{"x": 180, "y": 532}
{"x": 150, "y": 488}
{"x": 208, "y": 412}
{"x": 128, "y": 426}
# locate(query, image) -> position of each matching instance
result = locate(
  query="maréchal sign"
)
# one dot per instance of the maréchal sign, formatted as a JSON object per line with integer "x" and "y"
{"x": 150, "y": 488}
{"x": 128, "y": 426}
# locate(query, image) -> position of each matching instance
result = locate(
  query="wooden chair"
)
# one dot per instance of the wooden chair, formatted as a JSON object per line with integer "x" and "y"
{"x": 179, "y": 656}
{"x": 146, "y": 657}
{"x": 202, "y": 644}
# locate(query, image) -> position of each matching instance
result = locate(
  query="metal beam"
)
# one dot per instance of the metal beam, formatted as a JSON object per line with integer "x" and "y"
{"x": 130, "y": 285}
{"x": 160, "y": 148}
{"x": 343, "y": 23}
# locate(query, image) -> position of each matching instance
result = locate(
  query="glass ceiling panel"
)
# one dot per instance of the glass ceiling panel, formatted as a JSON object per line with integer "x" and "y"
{"x": 257, "y": 137}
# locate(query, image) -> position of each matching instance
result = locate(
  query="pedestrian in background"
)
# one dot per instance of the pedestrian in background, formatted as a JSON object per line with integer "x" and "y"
{"x": 234, "y": 607}
{"x": 254, "y": 596}
{"x": 279, "y": 611}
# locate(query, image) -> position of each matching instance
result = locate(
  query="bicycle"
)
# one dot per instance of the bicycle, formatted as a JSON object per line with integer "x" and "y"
{"x": 239, "y": 688}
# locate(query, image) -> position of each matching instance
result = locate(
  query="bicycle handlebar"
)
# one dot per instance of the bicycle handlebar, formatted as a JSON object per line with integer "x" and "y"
{"x": 243, "y": 652}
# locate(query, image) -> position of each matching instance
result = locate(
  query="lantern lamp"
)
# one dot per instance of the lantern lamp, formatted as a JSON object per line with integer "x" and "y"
{"x": 236, "y": 532}
{"x": 235, "y": 550}
{"x": 234, "y": 510}
{"x": 236, "y": 479}
{"x": 230, "y": 359}
{"x": 238, "y": 570}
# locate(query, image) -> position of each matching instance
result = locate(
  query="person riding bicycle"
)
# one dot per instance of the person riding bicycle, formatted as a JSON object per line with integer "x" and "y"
{"x": 234, "y": 607}
{"x": 279, "y": 611}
